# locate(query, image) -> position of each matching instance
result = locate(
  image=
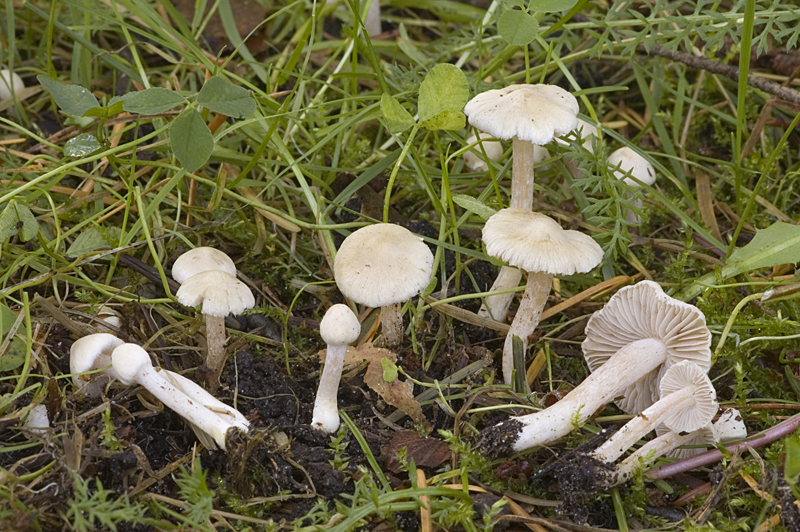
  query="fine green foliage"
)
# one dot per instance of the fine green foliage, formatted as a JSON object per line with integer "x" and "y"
{"x": 89, "y": 508}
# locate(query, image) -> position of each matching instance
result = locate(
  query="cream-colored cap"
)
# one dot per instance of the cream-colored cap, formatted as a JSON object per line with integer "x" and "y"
{"x": 9, "y": 84}
{"x": 633, "y": 164}
{"x": 382, "y": 264}
{"x": 687, "y": 374}
{"x": 536, "y": 113}
{"x": 220, "y": 293}
{"x": 536, "y": 243}
{"x": 339, "y": 326}
{"x": 201, "y": 259}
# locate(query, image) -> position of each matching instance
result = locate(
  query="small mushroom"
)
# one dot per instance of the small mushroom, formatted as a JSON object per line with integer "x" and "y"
{"x": 383, "y": 265}
{"x": 37, "y": 422}
{"x": 133, "y": 366}
{"x": 473, "y": 159}
{"x": 201, "y": 259}
{"x": 372, "y": 22}
{"x": 10, "y": 84}
{"x": 629, "y": 345}
{"x": 338, "y": 328}
{"x": 628, "y": 164}
{"x": 90, "y": 353}
{"x": 220, "y": 294}
{"x": 537, "y": 244}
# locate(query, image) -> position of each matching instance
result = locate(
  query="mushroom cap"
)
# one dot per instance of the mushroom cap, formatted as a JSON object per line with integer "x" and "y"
{"x": 339, "y": 326}
{"x": 730, "y": 426}
{"x": 644, "y": 311}
{"x": 201, "y": 259}
{"x": 536, "y": 243}
{"x": 220, "y": 293}
{"x": 128, "y": 361}
{"x": 382, "y": 264}
{"x": 10, "y": 84}
{"x": 683, "y": 375}
{"x": 91, "y": 352}
{"x": 474, "y": 157}
{"x": 585, "y": 131}
{"x": 536, "y": 113}
{"x": 631, "y": 162}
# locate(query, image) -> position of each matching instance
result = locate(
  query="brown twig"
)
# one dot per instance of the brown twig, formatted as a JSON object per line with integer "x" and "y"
{"x": 702, "y": 63}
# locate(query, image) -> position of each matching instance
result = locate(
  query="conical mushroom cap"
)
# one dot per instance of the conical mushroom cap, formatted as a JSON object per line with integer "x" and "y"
{"x": 683, "y": 375}
{"x": 201, "y": 259}
{"x": 339, "y": 326}
{"x": 630, "y": 161}
{"x": 536, "y": 243}
{"x": 220, "y": 293}
{"x": 536, "y": 113}
{"x": 382, "y": 264}
{"x": 644, "y": 311}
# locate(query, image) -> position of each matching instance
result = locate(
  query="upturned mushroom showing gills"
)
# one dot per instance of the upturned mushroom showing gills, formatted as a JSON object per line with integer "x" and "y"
{"x": 338, "y": 328}
{"x": 133, "y": 366}
{"x": 530, "y": 115}
{"x": 537, "y": 244}
{"x": 383, "y": 265}
{"x": 629, "y": 345}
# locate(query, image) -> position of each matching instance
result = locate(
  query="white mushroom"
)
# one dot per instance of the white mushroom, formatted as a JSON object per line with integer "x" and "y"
{"x": 473, "y": 159}
{"x": 628, "y": 164}
{"x": 132, "y": 365}
{"x": 10, "y": 84}
{"x": 90, "y": 353}
{"x": 530, "y": 115}
{"x": 629, "y": 344}
{"x": 201, "y": 259}
{"x": 37, "y": 422}
{"x": 220, "y": 294}
{"x": 383, "y": 265}
{"x": 537, "y": 244}
{"x": 372, "y": 22}
{"x": 338, "y": 328}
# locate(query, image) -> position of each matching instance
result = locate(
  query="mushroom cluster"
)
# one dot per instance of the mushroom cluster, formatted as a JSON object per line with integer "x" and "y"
{"x": 208, "y": 279}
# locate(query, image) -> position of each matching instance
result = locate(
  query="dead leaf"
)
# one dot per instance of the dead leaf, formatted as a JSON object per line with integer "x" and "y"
{"x": 423, "y": 450}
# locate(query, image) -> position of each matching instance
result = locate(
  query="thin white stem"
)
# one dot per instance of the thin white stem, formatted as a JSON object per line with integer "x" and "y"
{"x": 522, "y": 175}
{"x": 215, "y": 343}
{"x": 648, "y": 453}
{"x": 326, "y": 411}
{"x": 644, "y": 422}
{"x": 624, "y": 368}
{"x": 527, "y": 318}
{"x": 372, "y": 22}
{"x": 392, "y": 325}
{"x": 496, "y": 307}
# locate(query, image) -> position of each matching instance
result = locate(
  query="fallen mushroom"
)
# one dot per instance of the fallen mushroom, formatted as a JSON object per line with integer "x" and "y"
{"x": 383, "y": 265}
{"x": 90, "y": 353}
{"x": 629, "y": 344}
{"x": 530, "y": 115}
{"x": 338, "y": 328}
{"x": 537, "y": 244}
{"x": 133, "y": 366}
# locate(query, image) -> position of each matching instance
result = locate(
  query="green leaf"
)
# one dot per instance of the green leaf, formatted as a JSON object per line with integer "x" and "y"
{"x": 82, "y": 145}
{"x": 191, "y": 140}
{"x": 17, "y": 219}
{"x": 94, "y": 238}
{"x": 72, "y": 99}
{"x": 551, "y": 6}
{"x": 396, "y": 116}
{"x": 389, "y": 370}
{"x": 444, "y": 91}
{"x": 225, "y": 98}
{"x": 517, "y": 27}
{"x": 151, "y": 101}
{"x": 791, "y": 467}
{"x": 474, "y": 205}
{"x": 14, "y": 356}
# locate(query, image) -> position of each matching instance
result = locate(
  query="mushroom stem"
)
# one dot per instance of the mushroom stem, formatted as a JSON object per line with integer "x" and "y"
{"x": 372, "y": 23}
{"x": 496, "y": 306}
{"x": 527, "y": 318}
{"x": 522, "y": 175}
{"x": 643, "y": 423}
{"x": 623, "y": 369}
{"x": 392, "y": 325}
{"x": 647, "y": 454}
{"x": 215, "y": 355}
{"x": 326, "y": 412}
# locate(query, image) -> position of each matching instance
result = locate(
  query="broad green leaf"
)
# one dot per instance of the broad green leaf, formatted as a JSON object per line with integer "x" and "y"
{"x": 14, "y": 356}
{"x": 15, "y": 219}
{"x": 152, "y": 101}
{"x": 389, "y": 370}
{"x": 82, "y": 145}
{"x": 444, "y": 91}
{"x": 191, "y": 140}
{"x": 551, "y": 6}
{"x": 396, "y": 116}
{"x": 446, "y": 120}
{"x": 72, "y": 99}
{"x": 225, "y": 98}
{"x": 94, "y": 238}
{"x": 471, "y": 204}
{"x": 517, "y": 27}
{"x": 777, "y": 244}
